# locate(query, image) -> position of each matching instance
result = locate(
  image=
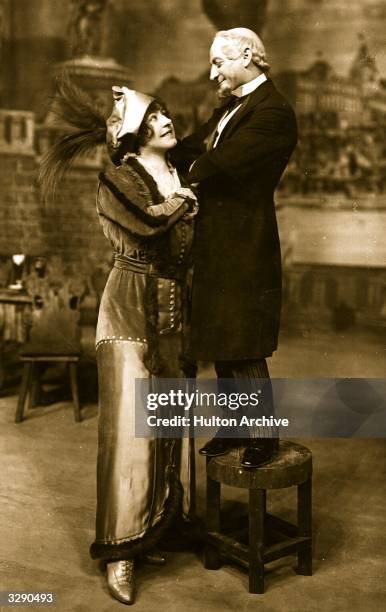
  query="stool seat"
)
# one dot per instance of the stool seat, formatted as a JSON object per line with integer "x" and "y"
{"x": 50, "y": 349}
{"x": 30, "y": 384}
{"x": 291, "y": 466}
{"x": 49, "y": 357}
{"x": 251, "y": 547}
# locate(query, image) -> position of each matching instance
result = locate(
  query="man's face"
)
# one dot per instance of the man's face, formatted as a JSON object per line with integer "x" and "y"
{"x": 227, "y": 66}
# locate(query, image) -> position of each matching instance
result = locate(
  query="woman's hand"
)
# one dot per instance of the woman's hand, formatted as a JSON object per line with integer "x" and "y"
{"x": 190, "y": 197}
{"x": 173, "y": 202}
{"x": 185, "y": 192}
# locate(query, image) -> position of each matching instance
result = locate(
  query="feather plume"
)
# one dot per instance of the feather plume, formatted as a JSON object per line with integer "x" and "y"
{"x": 85, "y": 127}
{"x": 75, "y": 107}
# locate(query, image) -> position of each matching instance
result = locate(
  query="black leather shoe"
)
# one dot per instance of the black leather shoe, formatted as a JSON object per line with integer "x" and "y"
{"x": 259, "y": 453}
{"x": 216, "y": 447}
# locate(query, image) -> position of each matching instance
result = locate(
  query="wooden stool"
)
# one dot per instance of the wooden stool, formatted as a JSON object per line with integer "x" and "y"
{"x": 291, "y": 466}
{"x": 30, "y": 381}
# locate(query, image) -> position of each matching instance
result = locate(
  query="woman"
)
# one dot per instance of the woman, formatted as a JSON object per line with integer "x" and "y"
{"x": 146, "y": 215}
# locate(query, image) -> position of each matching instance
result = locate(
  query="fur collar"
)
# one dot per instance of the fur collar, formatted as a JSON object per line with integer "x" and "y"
{"x": 131, "y": 183}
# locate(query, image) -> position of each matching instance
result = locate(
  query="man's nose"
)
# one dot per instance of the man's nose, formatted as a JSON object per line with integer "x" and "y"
{"x": 213, "y": 72}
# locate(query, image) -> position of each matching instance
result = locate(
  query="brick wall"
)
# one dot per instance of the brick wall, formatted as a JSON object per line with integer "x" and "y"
{"x": 70, "y": 222}
{"x": 68, "y": 225}
{"x": 20, "y": 211}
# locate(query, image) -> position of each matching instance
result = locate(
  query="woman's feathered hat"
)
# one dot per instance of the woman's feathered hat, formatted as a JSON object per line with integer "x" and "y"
{"x": 87, "y": 127}
{"x": 127, "y": 115}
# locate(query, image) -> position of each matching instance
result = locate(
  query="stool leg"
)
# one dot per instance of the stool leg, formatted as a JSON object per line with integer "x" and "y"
{"x": 34, "y": 394}
{"x": 74, "y": 389}
{"x": 256, "y": 540}
{"x": 305, "y": 527}
{"x": 2, "y": 372}
{"x": 264, "y": 506}
{"x": 23, "y": 392}
{"x": 213, "y": 492}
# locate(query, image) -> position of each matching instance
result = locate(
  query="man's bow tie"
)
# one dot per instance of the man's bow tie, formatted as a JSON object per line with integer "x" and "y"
{"x": 234, "y": 101}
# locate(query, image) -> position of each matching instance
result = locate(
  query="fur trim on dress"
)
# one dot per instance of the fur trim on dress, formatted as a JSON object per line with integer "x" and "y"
{"x": 152, "y": 359}
{"x": 139, "y": 546}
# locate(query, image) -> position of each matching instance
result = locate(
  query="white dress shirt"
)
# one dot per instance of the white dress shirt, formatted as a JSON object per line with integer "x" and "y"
{"x": 239, "y": 92}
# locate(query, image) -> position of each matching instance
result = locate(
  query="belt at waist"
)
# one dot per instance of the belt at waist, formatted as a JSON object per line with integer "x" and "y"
{"x": 142, "y": 267}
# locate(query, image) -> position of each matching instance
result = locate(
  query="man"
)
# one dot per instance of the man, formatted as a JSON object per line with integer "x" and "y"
{"x": 240, "y": 155}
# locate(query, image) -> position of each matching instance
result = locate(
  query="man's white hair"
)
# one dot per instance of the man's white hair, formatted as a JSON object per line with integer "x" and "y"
{"x": 242, "y": 38}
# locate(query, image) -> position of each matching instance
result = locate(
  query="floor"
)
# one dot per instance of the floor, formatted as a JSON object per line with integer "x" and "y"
{"x": 47, "y": 511}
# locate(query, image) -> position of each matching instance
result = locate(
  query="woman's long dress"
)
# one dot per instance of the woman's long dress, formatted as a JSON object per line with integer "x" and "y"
{"x": 139, "y": 334}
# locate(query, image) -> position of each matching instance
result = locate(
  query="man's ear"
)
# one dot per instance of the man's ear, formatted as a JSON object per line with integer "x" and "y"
{"x": 247, "y": 57}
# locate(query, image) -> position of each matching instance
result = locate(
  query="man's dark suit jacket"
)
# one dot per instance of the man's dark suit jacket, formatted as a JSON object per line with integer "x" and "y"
{"x": 236, "y": 296}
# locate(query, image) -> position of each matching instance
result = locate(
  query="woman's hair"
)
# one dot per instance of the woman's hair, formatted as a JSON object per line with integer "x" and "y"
{"x": 240, "y": 38}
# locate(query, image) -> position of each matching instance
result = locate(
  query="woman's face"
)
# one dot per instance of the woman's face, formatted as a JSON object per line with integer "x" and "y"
{"x": 163, "y": 136}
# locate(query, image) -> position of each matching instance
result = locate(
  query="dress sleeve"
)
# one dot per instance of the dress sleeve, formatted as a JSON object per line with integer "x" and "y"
{"x": 166, "y": 208}
{"x": 132, "y": 218}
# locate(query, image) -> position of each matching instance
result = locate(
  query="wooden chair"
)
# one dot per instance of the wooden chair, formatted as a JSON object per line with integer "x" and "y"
{"x": 292, "y": 466}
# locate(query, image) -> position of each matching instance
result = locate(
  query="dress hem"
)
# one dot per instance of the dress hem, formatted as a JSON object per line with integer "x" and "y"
{"x": 129, "y": 549}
